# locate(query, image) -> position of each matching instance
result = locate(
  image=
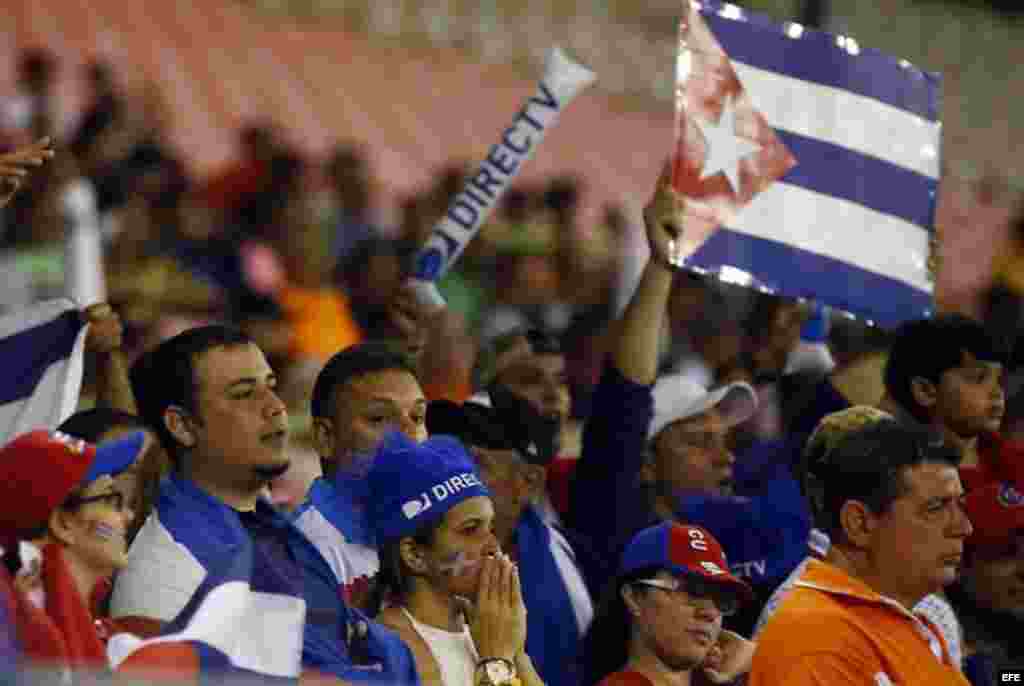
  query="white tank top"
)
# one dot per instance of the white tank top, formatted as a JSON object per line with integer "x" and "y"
{"x": 453, "y": 651}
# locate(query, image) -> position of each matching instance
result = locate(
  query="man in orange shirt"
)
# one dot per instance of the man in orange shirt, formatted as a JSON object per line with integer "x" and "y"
{"x": 891, "y": 501}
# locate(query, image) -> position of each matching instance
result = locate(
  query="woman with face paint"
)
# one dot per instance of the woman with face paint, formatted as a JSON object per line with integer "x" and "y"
{"x": 60, "y": 493}
{"x": 451, "y": 594}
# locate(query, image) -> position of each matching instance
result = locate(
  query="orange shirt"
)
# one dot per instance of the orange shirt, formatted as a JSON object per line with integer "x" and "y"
{"x": 833, "y": 629}
{"x": 321, "y": 320}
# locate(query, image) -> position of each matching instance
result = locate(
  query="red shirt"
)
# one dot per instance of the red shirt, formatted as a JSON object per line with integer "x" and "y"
{"x": 626, "y": 678}
{"x": 999, "y": 459}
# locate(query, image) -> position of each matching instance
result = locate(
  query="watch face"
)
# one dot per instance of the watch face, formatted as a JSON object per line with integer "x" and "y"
{"x": 498, "y": 672}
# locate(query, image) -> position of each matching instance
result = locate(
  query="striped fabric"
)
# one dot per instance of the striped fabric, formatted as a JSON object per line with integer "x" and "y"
{"x": 234, "y": 624}
{"x": 41, "y": 354}
{"x": 829, "y": 190}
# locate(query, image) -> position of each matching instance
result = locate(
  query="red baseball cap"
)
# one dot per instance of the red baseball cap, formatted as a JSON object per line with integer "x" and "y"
{"x": 39, "y": 469}
{"x": 682, "y": 549}
{"x": 996, "y": 511}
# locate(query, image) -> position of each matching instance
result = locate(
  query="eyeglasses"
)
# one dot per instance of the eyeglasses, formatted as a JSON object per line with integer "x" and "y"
{"x": 696, "y": 589}
{"x": 114, "y": 500}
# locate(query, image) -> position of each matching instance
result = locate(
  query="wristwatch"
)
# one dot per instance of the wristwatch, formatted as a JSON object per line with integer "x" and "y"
{"x": 496, "y": 671}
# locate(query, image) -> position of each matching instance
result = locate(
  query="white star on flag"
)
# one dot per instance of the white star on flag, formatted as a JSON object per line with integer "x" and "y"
{"x": 724, "y": 148}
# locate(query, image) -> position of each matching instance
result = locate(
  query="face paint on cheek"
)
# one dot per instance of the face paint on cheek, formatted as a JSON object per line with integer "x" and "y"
{"x": 458, "y": 564}
{"x": 106, "y": 532}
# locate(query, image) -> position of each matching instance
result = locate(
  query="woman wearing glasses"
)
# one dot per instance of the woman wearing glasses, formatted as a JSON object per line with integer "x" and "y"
{"x": 60, "y": 493}
{"x": 661, "y": 620}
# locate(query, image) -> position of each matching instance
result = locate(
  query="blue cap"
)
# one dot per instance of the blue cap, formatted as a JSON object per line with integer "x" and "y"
{"x": 114, "y": 457}
{"x": 683, "y": 550}
{"x": 412, "y": 485}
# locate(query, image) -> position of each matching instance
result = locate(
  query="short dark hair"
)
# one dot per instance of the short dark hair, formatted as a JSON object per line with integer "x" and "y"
{"x": 91, "y": 424}
{"x": 165, "y": 376}
{"x": 926, "y": 348}
{"x": 869, "y": 465}
{"x": 351, "y": 363}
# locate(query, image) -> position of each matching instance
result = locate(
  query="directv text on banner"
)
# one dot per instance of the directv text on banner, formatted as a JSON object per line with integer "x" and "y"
{"x": 563, "y": 80}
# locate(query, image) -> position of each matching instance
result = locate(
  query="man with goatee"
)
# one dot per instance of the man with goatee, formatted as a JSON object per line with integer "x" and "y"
{"x": 210, "y": 395}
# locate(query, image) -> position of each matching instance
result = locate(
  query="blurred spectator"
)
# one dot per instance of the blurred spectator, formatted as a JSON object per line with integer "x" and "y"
{"x": 10, "y": 648}
{"x": 362, "y": 392}
{"x": 1005, "y": 307}
{"x": 235, "y": 189}
{"x": 102, "y": 110}
{"x": 772, "y": 333}
{"x": 660, "y": 620}
{"x": 890, "y": 500}
{"x": 440, "y": 555}
{"x": 139, "y": 483}
{"x": 446, "y": 368}
{"x": 705, "y": 338}
{"x": 450, "y": 181}
{"x": 147, "y": 267}
{"x": 512, "y": 444}
{"x": 585, "y": 345}
{"x": 989, "y": 594}
{"x": 319, "y": 314}
{"x": 859, "y": 352}
{"x": 60, "y": 493}
{"x": 386, "y": 309}
{"x": 530, "y": 365}
{"x": 31, "y": 114}
{"x": 351, "y": 182}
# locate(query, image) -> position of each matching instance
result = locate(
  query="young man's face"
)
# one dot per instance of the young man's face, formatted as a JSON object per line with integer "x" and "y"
{"x": 369, "y": 406}
{"x": 917, "y": 544}
{"x": 970, "y": 398}
{"x": 241, "y": 427}
{"x": 694, "y": 455}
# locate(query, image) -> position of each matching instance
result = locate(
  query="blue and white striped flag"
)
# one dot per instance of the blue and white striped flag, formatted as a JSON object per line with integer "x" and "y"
{"x": 235, "y": 627}
{"x": 810, "y": 164}
{"x": 41, "y": 360}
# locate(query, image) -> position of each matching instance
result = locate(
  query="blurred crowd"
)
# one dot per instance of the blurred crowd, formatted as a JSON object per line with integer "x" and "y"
{"x": 592, "y": 400}
{"x": 303, "y": 254}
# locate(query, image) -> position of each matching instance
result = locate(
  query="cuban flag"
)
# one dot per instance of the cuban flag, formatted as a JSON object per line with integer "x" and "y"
{"x": 41, "y": 357}
{"x": 233, "y": 627}
{"x": 810, "y": 164}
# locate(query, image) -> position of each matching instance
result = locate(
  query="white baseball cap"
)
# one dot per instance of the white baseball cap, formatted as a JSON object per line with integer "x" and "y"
{"x": 678, "y": 397}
